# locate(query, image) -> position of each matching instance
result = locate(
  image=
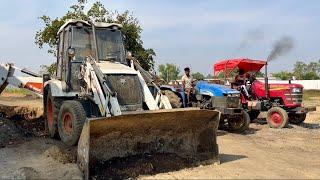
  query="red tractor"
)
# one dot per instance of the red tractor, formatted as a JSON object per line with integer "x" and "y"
{"x": 283, "y": 102}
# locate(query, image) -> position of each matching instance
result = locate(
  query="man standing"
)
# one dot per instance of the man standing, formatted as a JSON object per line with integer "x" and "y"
{"x": 187, "y": 83}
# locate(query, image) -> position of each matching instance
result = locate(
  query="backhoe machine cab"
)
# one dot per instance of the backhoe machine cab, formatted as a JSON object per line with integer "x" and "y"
{"x": 77, "y": 42}
{"x": 100, "y": 100}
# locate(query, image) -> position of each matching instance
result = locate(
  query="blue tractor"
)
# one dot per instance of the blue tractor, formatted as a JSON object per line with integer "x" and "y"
{"x": 213, "y": 96}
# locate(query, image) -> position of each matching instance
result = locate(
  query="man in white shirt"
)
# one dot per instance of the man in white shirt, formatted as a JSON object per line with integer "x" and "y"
{"x": 187, "y": 83}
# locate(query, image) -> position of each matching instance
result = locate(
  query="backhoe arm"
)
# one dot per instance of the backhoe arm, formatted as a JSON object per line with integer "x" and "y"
{"x": 7, "y": 76}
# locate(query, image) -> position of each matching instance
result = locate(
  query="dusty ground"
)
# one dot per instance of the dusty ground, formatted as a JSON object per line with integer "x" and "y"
{"x": 261, "y": 152}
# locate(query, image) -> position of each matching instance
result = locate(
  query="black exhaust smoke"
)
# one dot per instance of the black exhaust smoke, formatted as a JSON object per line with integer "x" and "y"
{"x": 281, "y": 47}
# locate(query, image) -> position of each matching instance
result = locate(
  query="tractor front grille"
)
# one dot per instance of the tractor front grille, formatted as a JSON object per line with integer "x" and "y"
{"x": 219, "y": 102}
{"x": 226, "y": 102}
{"x": 233, "y": 102}
{"x": 128, "y": 89}
{"x": 294, "y": 98}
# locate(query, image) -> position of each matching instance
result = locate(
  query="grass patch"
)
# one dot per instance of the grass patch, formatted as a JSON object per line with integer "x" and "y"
{"x": 309, "y": 94}
{"x": 12, "y": 90}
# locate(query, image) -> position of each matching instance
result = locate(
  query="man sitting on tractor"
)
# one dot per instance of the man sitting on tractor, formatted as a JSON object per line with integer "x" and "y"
{"x": 241, "y": 78}
{"x": 240, "y": 82}
{"x": 187, "y": 83}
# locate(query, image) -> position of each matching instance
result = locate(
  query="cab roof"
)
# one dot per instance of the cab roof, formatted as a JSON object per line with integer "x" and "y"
{"x": 96, "y": 24}
{"x": 247, "y": 65}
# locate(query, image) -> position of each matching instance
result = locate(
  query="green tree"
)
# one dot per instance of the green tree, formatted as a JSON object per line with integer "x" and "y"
{"x": 283, "y": 75}
{"x": 51, "y": 69}
{"x": 169, "y": 72}
{"x": 302, "y": 71}
{"x": 307, "y": 71}
{"x": 311, "y": 75}
{"x": 300, "y": 68}
{"x": 198, "y": 76}
{"x": 47, "y": 36}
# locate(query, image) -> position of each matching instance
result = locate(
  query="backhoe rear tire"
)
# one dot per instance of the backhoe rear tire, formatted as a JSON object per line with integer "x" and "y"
{"x": 277, "y": 118}
{"x": 70, "y": 121}
{"x": 174, "y": 99}
{"x": 51, "y": 111}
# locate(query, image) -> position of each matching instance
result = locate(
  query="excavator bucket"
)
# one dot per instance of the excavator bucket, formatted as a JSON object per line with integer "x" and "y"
{"x": 188, "y": 133}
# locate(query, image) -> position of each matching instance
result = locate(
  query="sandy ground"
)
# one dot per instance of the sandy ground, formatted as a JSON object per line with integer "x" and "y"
{"x": 261, "y": 152}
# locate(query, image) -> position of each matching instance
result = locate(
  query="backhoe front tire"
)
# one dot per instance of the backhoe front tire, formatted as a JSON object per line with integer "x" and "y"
{"x": 70, "y": 121}
{"x": 51, "y": 111}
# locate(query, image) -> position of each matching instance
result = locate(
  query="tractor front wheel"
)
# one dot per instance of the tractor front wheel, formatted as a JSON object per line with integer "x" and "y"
{"x": 277, "y": 118}
{"x": 239, "y": 124}
{"x": 297, "y": 118}
{"x": 70, "y": 121}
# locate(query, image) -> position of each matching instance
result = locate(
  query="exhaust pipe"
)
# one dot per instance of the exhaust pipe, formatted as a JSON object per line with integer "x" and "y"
{"x": 266, "y": 83}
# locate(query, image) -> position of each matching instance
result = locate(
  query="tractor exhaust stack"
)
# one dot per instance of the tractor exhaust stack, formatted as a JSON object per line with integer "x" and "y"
{"x": 266, "y": 83}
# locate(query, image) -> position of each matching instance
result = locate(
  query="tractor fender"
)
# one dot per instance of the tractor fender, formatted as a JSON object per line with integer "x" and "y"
{"x": 58, "y": 88}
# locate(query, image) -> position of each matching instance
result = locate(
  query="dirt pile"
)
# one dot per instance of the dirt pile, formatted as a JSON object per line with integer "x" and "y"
{"x": 33, "y": 160}
{"x": 25, "y": 107}
{"x": 9, "y": 133}
{"x": 17, "y": 131}
{"x": 60, "y": 155}
{"x": 25, "y": 114}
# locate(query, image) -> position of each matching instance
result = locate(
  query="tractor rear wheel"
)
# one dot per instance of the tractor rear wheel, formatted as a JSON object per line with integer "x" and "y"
{"x": 239, "y": 124}
{"x": 277, "y": 118}
{"x": 51, "y": 111}
{"x": 70, "y": 121}
{"x": 174, "y": 99}
{"x": 297, "y": 118}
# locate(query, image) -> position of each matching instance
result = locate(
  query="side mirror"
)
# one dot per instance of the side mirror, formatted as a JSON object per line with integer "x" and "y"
{"x": 71, "y": 52}
{"x": 129, "y": 55}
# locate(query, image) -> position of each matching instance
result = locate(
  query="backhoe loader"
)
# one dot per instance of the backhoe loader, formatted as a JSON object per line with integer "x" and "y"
{"x": 100, "y": 101}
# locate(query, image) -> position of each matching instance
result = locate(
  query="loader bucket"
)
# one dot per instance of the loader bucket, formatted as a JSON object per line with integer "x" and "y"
{"x": 188, "y": 133}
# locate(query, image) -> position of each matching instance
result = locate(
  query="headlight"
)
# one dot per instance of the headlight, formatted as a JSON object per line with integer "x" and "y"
{"x": 296, "y": 90}
{"x": 71, "y": 52}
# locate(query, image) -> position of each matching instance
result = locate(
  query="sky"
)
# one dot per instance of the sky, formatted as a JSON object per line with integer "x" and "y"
{"x": 183, "y": 32}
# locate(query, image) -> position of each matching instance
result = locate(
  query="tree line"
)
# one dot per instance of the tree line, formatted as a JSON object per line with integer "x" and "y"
{"x": 301, "y": 71}
{"x": 171, "y": 71}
